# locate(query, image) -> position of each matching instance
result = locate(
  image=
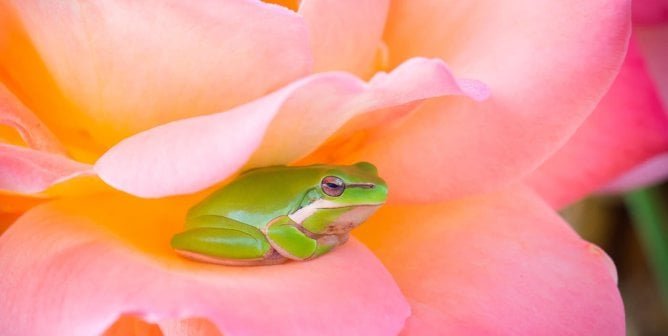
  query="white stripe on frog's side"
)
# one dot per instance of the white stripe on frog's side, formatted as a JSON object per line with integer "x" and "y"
{"x": 300, "y": 215}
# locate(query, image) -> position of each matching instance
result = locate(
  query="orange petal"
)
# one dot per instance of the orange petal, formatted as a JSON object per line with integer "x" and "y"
{"x": 500, "y": 264}
{"x": 92, "y": 260}
{"x": 99, "y": 71}
{"x": 14, "y": 114}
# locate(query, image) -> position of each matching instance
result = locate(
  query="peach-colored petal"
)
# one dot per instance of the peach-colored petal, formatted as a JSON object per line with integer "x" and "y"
{"x": 628, "y": 127}
{"x": 500, "y": 264}
{"x": 345, "y": 35}
{"x": 653, "y": 43}
{"x": 189, "y": 327}
{"x": 650, "y": 11}
{"x": 547, "y": 64}
{"x": 191, "y": 154}
{"x": 649, "y": 172}
{"x": 102, "y": 70}
{"x": 14, "y": 114}
{"x": 92, "y": 260}
{"x": 24, "y": 170}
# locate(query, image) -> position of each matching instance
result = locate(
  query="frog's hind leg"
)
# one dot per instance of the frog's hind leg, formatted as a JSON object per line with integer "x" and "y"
{"x": 225, "y": 241}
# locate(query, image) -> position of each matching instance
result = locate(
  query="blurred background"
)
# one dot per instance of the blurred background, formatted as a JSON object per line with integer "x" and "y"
{"x": 633, "y": 230}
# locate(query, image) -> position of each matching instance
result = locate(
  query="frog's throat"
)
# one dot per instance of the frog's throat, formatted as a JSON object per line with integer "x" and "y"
{"x": 305, "y": 212}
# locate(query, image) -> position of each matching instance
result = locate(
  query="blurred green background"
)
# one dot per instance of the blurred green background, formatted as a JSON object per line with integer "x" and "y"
{"x": 633, "y": 230}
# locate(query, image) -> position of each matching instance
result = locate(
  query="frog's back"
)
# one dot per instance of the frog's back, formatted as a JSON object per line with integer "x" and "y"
{"x": 260, "y": 195}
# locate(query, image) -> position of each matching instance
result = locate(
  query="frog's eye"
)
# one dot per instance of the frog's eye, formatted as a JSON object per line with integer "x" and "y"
{"x": 333, "y": 186}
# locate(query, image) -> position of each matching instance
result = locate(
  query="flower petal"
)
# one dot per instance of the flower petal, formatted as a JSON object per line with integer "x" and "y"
{"x": 499, "y": 264}
{"x": 102, "y": 70}
{"x": 547, "y": 64}
{"x": 649, "y": 172}
{"x": 24, "y": 170}
{"x": 14, "y": 114}
{"x": 191, "y": 154}
{"x": 345, "y": 35}
{"x": 189, "y": 327}
{"x": 627, "y": 128}
{"x": 653, "y": 43}
{"x": 650, "y": 11}
{"x": 109, "y": 255}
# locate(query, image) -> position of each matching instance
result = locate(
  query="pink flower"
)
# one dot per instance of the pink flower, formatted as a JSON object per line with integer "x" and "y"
{"x": 165, "y": 100}
{"x": 623, "y": 143}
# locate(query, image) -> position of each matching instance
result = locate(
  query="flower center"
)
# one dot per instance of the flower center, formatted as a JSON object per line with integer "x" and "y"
{"x": 290, "y": 4}
{"x": 382, "y": 59}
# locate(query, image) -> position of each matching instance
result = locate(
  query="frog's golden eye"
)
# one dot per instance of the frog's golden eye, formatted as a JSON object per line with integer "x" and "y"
{"x": 333, "y": 186}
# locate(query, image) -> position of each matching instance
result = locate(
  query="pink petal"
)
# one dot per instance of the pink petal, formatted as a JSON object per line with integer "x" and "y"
{"x": 547, "y": 64}
{"x": 191, "y": 154}
{"x": 119, "y": 67}
{"x": 24, "y": 170}
{"x": 649, "y": 172}
{"x": 14, "y": 114}
{"x": 345, "y": 35}
{"x": 500, "y": 264}
{"x": 628, "y": 127}
{"x": 653, "y": 43}
{"x": 91, "y": 260}
{"x": 189, "y": 327}
{"x": 650, "y": 11}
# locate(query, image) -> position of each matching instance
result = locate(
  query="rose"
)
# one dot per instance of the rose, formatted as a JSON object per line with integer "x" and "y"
{"x": 479, "y": 242}
{"x": 634, "y": 110}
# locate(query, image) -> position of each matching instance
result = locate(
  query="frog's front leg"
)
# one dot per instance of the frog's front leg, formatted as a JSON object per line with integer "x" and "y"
{"x": 225, "y": 241}
{"x": 293, "y": 242}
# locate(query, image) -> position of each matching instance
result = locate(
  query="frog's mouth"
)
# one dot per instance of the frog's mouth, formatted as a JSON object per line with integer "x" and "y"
{"x": 300, "y": 215}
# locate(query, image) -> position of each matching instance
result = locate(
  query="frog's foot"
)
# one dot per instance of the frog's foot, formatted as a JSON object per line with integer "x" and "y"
{"x": 273, "y": 258}
{"x": 294, "y": 242}
{"x": 226, "y": 246}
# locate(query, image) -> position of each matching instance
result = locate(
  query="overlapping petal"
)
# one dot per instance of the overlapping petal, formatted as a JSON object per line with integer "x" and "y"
{"x": 653, "y": 43}
{"x": 100, "y": 71}
{"x": 191, "y": 154}
{"x": 24, "y": 170}
{"x": 93, "y": 259}
{"x": 345, "y": 35}
{"x": 649, "y": 172}
{"x": 547, "y": 65}
{"x": 497, "y": 264}
{"x": 34, "y": 133}
{"x": 650, "y": 11}
{"x": 628, "y": 127}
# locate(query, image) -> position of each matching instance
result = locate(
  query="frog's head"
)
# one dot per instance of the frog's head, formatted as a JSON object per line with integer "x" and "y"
{"x": 353, "y": 185}
{"x": 347, "y": 196}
